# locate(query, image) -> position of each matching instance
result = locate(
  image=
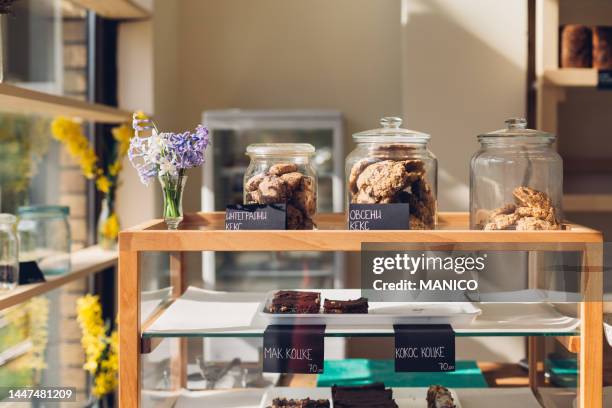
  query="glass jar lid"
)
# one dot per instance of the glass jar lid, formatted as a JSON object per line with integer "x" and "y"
{"x": 517, "y": 128}
{"x": 280, "y": 149}
{"x": 44, "y": 210}
{"x": 390, "y": 132}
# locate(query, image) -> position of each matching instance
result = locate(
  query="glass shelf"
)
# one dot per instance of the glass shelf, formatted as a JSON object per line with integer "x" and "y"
{"x": 236, "y": 315}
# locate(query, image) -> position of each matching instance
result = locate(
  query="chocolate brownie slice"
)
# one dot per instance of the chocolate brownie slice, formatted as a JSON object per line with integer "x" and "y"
{"x": 372, "y": 396}
{"x": 299, "y": 403}
{"x": 293, "y": 301}
{"x": 346, "y": 306}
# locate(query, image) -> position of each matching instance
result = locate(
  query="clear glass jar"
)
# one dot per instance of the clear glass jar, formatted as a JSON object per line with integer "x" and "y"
{"x": 516, "y": 180}
{"x": 394, "y": 165}
{"x": 44, "y": 234}
{"x": 283, "y": 173}
{"x": 9, "y": 252}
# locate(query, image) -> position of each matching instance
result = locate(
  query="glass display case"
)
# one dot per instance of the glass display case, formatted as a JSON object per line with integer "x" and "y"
{"x": 565, "y": 341}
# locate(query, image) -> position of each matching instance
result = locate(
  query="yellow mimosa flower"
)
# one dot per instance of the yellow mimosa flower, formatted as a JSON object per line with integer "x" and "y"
{"x": 110, "y": 228}
{"x": 103, "y": 184}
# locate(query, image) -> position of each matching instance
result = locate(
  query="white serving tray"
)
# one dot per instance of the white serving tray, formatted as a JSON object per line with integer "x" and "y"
{"x": 379, "y": 313}
{"x": 404, "y": 397}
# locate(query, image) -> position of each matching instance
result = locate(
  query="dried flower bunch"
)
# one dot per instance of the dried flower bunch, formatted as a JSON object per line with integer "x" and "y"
{"x": 166, "y": 153}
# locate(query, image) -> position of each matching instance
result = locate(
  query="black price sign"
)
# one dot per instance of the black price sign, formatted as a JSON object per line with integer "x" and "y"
{"x": 394, "y": 216}
{"x": 256, "y": 217}
{"x": 604, "y": 79}
{"x": 424, "y": 348}
{"x": 29, "y": 272}
{"x": 294, "y": 349}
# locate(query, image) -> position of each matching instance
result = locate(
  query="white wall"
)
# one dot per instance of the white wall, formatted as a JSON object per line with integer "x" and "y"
{"x": 341, "y": 54}
{"x": 464, "y": 72}
{"x": 136, "y": 203}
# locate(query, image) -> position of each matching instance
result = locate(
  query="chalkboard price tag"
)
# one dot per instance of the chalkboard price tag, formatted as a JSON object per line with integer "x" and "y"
{"x": 29, "y": 272}
{"x": 256, "y": 217}
{"x": 424, "y": 348}
{"x": 604, "y": 79}
{"x": 294, "y": 349}
{"x": 394, "y": 216}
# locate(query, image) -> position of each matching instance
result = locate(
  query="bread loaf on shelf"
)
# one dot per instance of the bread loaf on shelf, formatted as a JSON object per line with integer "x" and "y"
{"x": 576, "y": 46}
{"x": 602, "y": 47}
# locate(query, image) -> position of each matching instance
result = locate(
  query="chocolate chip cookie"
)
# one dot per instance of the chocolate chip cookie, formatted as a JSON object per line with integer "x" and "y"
{"x": 283, "y": 183}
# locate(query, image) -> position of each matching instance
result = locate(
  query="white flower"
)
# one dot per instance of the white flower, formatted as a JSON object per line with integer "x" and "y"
{"x": 154, "y": 148}
{"x": 165, "y": 167}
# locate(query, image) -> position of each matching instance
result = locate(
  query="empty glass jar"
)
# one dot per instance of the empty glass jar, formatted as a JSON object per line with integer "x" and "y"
{"x": 516, "y": 180}
{"x": 9, "y": 252}
{"x": 283, "y": 173}
{"x": 394, "y": 165}
{"x": 44, "y": 234}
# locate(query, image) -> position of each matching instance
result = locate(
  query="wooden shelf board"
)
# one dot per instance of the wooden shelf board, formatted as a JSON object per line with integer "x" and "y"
{"x": 84, "y": 262}
{"x": 205, "y": 231}
{"x": 21, "y": 100}
{"x": 116, "y": 9}
{"x": 587, "y": 202}
{"x": 571, "y": 77}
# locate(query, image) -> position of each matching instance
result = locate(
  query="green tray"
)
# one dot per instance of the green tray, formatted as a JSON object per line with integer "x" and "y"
{"x": 364, "y": 371}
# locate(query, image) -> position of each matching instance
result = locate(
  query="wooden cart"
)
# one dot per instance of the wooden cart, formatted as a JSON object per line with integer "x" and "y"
{"x": 205, "y": 232}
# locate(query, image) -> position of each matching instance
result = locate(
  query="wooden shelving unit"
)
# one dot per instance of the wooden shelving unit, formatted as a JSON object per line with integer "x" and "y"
{"x": 571, "y": 77}
{"x": 205, "y": 232}
{"x": 84, "y": 263}
{"x": 553, "y": 84}
{"x": 21, "y": 100}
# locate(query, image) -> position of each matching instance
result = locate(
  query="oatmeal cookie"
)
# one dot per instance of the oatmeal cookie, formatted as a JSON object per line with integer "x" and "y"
{"x": 535, "y": 224}
{"x": 293, "y": 180}
{"x": 295, "y": 218}
{"x": 279, "y": 169}
{"x": 414, "y": 166}
{"x": 282, "y": 183}
{"x": 547, "y": 214}
{"x": 304, "y": 197}
{"x": 505, "y": 210}
{"x": 501, "y": 222}
{"x": 271, "y": 189}
{"x": 417, "y": 223}
{"x": 529, "y": 197}
{"x": 253, "y": 183}
{"x": 383, "y": 179}
{"x": 356, "y": 170}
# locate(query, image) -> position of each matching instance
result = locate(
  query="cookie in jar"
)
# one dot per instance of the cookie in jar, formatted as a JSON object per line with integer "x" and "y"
{"x": 394, "y": 165}
{"x": 282, "y": 173}
{"x": 516, "y": 180}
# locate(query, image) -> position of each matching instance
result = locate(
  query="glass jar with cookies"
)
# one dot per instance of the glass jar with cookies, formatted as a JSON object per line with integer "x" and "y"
{"x": 394, "y": 165}
{"x": 283, "y": 173}
{"x": 516, "y": 180}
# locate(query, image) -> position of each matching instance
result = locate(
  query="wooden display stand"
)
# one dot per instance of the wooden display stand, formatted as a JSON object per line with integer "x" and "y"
{"x": 205, "y": 232}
